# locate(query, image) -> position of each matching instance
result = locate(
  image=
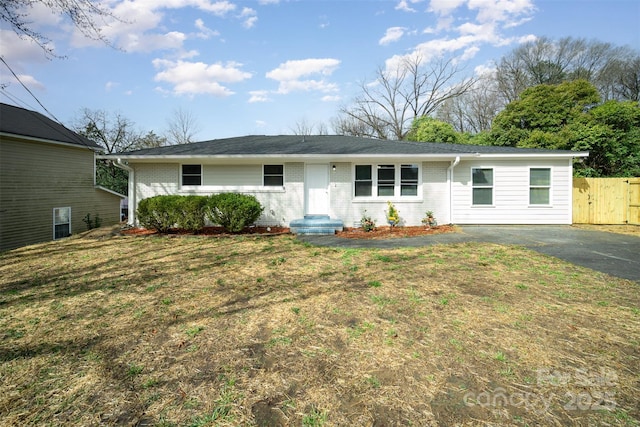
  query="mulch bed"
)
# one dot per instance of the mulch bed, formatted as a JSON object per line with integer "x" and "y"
{"x": 208, "y": 231}
{"x": 394, "y": 232}
{"x": 348, "y": 232}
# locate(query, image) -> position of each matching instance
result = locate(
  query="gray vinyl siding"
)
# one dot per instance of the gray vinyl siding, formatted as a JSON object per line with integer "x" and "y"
{"x": 35, "y": 178}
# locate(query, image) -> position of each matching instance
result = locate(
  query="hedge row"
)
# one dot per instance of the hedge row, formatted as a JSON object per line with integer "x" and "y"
{"x": 232, "y": 211}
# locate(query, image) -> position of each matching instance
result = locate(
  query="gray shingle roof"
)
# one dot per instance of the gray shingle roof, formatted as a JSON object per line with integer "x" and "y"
{"x": 19, "y": 121}
{"x": 325, "y": 145}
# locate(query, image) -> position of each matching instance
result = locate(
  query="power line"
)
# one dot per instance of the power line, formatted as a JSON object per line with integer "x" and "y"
{"x": 28, "y": 90}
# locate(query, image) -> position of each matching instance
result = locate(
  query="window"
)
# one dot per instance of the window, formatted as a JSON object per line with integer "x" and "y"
{"x": 539, "y": 186}
{"x": 409, "y": 180}
{"x": 191, "y": 174}
{"x": 61, "y": 223}
{"x": 364, "y": 181}
{"x": 482, "y": 186}
{"x": 386, "y": 180}
{"x": 273, "y": 175}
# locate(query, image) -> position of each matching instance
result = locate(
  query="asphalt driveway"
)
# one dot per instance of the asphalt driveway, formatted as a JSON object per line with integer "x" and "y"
{"x": 615, "y": 254}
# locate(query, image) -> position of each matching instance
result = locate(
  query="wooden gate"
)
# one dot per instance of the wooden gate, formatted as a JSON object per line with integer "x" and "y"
{"x": 606, "y": 200}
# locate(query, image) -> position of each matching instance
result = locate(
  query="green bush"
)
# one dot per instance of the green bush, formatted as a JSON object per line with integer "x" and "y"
{"x": 158, "y": 212}
{"x": 233, "y": 211}
{"x": 190, "y": 212}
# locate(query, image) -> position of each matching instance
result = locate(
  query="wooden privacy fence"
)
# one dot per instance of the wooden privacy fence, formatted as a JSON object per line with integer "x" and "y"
{"x": 606, "y": 200}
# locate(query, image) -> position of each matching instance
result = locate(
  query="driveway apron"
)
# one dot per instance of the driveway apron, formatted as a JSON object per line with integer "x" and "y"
{"x": 614, "y": 254}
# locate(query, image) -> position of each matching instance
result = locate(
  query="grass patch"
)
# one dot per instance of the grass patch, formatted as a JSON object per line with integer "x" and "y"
{"x": 172, "y": 331}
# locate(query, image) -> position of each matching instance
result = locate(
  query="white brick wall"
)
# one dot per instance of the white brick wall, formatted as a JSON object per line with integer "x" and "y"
{"x": 281, "y": 204}
{"x": 435, "y": 192}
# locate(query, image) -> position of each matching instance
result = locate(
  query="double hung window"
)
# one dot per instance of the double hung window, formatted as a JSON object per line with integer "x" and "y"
{"x": 539, "y": 186}
{"x": 61, "y": 223}
{"x": 482, "y": 184}
{"x": 273, "y": 175}
{"x": 191, "y": 174}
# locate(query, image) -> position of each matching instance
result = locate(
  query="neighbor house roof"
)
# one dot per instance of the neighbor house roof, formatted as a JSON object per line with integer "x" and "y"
{"x": 329, "y": 146}
{"x": 26, "y": 123}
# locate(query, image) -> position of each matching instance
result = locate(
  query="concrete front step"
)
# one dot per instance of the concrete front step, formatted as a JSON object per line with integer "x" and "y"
{"x": 316, "y": 224}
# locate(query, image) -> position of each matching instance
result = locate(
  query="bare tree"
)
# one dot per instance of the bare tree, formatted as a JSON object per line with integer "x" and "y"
{"x": 115, "y": 133}
{"x": 182, "y": 127}
{"x": 473, "y": 111}
{"x": 547, "y": 61}
{"x": 85, "y": 15}
{"x": 620, "y": 79}
{"x": 386, "y": 108}
{"x": 303, "y": 127}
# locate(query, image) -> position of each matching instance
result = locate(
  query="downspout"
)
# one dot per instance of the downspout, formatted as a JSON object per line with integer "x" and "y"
{"x": 454, "y": 163}
{"x": 131, "y": 214}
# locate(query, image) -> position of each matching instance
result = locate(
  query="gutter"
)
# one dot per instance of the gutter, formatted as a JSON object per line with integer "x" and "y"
{"x": 131, "y": 214}
{"x": 454, "y": 163}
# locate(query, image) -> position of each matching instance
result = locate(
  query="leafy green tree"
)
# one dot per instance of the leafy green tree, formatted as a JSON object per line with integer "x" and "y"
{"x": 428, "y": 129}
{"x": 539, "y": 117}
{"x": 611, "y": 134}
{"x": 569, "y": 116}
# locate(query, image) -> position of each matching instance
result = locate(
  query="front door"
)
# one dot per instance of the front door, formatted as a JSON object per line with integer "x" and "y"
{"x": 316, "y": 178}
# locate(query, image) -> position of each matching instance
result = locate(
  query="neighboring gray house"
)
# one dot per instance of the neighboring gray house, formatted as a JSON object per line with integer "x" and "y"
{"x": 47, "y": 180}
{"x": 342, "y": 177}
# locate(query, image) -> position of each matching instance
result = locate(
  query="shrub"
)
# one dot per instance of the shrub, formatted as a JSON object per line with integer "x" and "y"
{"x": 233, "y": 211}
{"x": 190, "y": 212}
{"x": 158, "y": 212}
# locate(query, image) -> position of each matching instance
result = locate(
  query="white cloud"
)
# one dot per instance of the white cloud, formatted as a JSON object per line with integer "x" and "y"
{"x": 392, "y": 34}
{"x": 194, "y": 78}
{"x": 405, "y": 5}
{"x": 259, "y": 96}
{"x": 444, "y": 7}
{"x": 204, "y": 32}
{"x": 291, "y": 73}
{"x": 464, "y": 36}
{"x": 17, "y": 51}
{"x": 140, "y": 25}
{"x": 484, "y": 70}
{"x": 109, "y": 86}
{"x": 31, "y": 82}
{"x": 249, "y": 17}
{"x": 331, "y": 98}
{"x": 295, "y": 69}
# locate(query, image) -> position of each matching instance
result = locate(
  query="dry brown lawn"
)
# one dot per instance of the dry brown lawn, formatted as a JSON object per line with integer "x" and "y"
{"x": 268, "y": 331}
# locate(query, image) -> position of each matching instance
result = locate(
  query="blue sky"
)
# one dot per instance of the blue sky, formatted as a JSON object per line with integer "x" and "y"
{"x": 262, "y": 67}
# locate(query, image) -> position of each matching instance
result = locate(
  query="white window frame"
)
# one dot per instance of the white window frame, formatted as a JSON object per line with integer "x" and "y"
{"x": 264, "y": 175}
{"x": 548, "y": 187}
{"x": 182, "y": 175}
{"x": 68, "y": 208}
{"x": 397, "y": 183}
{"x": 484, "y": 186}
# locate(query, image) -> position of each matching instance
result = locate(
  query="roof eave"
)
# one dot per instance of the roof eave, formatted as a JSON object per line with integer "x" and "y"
{"x": 336, "y": 157}
{"x": 50, "y": 141}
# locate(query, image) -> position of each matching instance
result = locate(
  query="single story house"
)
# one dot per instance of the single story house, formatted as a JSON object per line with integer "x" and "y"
{"x": 344, "y": 177}
{"x": 47, "y": 180}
